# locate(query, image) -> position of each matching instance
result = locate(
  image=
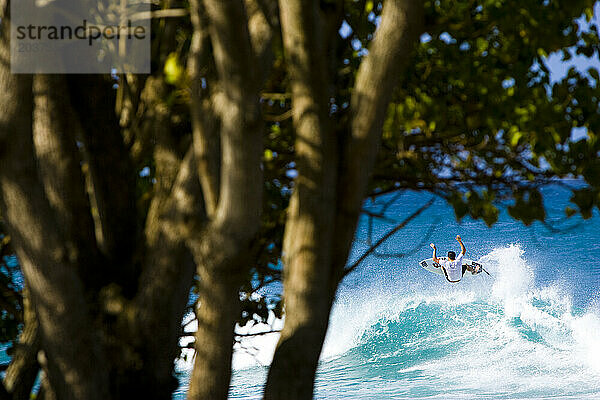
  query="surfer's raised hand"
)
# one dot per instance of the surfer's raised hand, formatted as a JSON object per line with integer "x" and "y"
{"x": 458, "y": 238}
{"x": 432, "y": 245}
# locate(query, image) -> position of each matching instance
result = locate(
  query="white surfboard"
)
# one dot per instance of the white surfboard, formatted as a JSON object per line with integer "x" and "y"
{"x": 430, "y": 266}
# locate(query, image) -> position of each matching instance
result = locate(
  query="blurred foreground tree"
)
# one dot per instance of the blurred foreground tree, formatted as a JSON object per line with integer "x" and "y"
{"x": 116, "y": 200}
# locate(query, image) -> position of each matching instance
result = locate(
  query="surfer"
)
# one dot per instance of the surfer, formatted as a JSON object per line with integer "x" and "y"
{"x": 452, "y": 267}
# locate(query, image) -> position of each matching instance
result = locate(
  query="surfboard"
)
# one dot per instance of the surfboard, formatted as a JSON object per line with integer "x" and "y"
{"x": 430, "y": 266}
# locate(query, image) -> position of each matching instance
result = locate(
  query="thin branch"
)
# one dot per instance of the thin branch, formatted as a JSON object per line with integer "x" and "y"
{"x": 276, "y": 96}
{"x": 378, "y": 215}
{"x": 156, "y": 14}
{"x": 374, "y": 195}
{"x": 204, "y": 118}
{"x": 266, "y": 282}
{"x": 554, "y": 229}
{"x": 257, "y": 333}
{"x": 250, "y": 350}
{"x": 388, "y": 235}
{"x": 279, "y": 118}
{"x": 412, "y": 251}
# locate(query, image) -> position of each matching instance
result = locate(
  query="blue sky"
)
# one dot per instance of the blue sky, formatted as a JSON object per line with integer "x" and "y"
{"x": 558, "y": 68}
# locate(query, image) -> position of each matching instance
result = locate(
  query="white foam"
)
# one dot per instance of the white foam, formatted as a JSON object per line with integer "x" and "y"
{"x": 248, "y": 352}
{"x": 524, "y": 338}
{"x": 586, "y": 332}
{"x": 256, "y": 350}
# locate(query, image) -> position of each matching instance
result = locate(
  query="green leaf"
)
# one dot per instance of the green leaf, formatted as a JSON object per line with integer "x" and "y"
{"x": 268, "y": 155}
{"x": 173, "y": 69}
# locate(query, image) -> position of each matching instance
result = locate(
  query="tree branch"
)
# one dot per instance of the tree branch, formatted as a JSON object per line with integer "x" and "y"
{"x": 310, "y": 213}
{"x": 241, "y": 127}
{"x": 168, "y": 274}
{"x": 60, "y": 171}
{"x": 205, "y": 121}
{"x": 388, "y": 235}
{"x": 263, "y": 24}
{"x": 23, "y": 369}
{"x": 416, "y": 248}
{"x": 55, "y": 287}
{"x": 257, "y": 333}
{"x": 401, "y": 24}
{"x": 109, "y": 166}
{"x": 220, "y": 248}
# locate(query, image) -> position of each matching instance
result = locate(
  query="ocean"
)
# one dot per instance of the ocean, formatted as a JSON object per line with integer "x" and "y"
{"x": 530, "y": 331}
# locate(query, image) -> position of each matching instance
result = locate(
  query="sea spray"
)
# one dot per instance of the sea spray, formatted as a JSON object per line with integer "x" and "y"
{"x": 497, "y": 337}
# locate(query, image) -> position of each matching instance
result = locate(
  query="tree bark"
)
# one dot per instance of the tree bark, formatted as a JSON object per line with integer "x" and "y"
{"x": 59, "y": 164}
{"x": 220, "y": 248}
{"x": 46, "y": 392}
{"x": 110, "y": 167}
{"x": 311, "y": 214}
{"x": 221, "y": 274}
{"x": 55, "y": 288}
{"x": 324, "y": 208}
{"x": 378, "y": 75}
{"x": 24, "y": 367}
{"x": 166, "y": 280}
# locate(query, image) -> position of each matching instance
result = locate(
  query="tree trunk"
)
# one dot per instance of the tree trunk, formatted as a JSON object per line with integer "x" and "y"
{"x": 220, "y": 250}
{"x": 222, "y": 259}
{"x": 46, "y": 392}
{"x": 15, "y": 103}
{"x": 324, "y": 208}
{"x": 311, "y": 213}
{"x": 57, "y": 292}
{"x": 24, "y": 367}
{"x": 166, "y": 281}
{"x": 217, "y": 313}
{"x": 110, "y": 167}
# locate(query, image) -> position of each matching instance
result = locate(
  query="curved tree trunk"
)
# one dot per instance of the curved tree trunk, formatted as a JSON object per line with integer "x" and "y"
{"x": 55, "y": 289}
{"x": 233, "y": 184}
{"x": 24, "y": 367}
{"x": 319, "y": 233}
{"x": 46, "y": 392}
{"x": 217, "y": 313}
{"x": 311, "y": 213}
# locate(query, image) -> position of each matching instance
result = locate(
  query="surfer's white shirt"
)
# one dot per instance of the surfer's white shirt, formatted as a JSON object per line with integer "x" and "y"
{"x": 453, "y": 268}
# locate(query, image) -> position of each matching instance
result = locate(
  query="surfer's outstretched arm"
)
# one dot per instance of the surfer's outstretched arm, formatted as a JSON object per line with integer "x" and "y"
{"x": 434, "y": 258}
{"x": 463, "y": 250}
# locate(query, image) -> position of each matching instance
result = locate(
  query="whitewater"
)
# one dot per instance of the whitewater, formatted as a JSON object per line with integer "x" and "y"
{"x": 531, "y": 330}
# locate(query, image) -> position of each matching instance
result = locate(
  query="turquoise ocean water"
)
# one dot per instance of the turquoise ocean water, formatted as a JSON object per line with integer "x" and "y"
{"x": 532, "y": 330}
